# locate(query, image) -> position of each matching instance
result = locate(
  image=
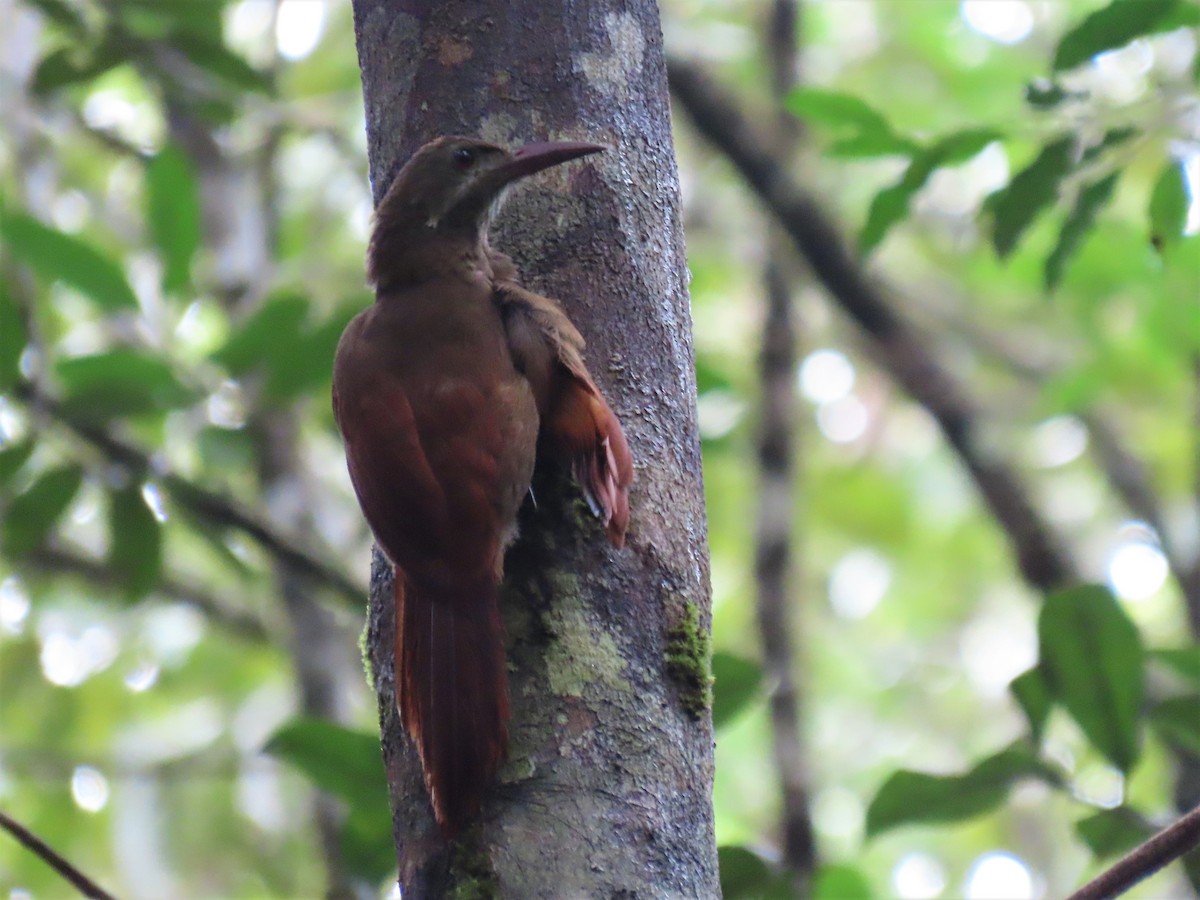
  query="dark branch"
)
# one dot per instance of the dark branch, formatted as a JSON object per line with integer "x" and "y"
{"x": 32, "y": 842}
{"x": 52, "y": 560}
{"x": 200, "y": 502}
{"x": 1144, "y": 860}
{"x": 776, "y": 547}
{"x": 900, "y": 348}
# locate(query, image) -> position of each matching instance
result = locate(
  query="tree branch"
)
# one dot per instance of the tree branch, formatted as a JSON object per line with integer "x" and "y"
{"x": 32, "y": 842}
{"x": 54, "y": 560}
{"x": 1144, "y": 860}
{"x": 900, "y": 348}
{"x": 200, "y": 502}
{"x": 776, "y": 543}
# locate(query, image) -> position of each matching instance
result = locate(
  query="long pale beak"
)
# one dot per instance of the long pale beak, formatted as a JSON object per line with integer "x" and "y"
{"x": 535, "y": 157}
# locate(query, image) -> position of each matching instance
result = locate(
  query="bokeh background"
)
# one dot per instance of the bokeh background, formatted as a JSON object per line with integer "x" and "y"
{"x": 184, "y": 207}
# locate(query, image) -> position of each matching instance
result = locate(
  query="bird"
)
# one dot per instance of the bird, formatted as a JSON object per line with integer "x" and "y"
{"x": 446, "y": 390}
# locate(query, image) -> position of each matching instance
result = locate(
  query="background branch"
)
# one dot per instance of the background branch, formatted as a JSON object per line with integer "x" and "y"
{"x": 51, "y": 857}
{"x": 896, "y": 344}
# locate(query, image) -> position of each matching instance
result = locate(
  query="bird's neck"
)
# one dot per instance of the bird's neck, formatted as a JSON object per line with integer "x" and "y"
{"x": 406, "y": 253}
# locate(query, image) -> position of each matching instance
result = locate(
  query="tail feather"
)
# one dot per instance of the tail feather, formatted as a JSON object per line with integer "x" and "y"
{"x": 452, "y": 692}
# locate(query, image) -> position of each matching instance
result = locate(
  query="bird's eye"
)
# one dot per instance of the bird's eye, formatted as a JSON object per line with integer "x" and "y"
{"x": 463, "y": 157}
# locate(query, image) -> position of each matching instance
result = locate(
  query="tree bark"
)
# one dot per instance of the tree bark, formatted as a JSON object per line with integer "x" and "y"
{"x": 607, "y": 789}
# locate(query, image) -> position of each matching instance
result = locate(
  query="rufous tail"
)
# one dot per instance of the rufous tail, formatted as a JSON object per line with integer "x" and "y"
{"x": 452, "y": 691}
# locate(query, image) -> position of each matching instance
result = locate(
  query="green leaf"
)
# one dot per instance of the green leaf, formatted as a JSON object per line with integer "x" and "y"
{"x": 1184, "y": 660}
{"x": 273, "y": 329}
{"x": 834, "y": 108}
{"x": 173, "y": 213}
{"x": 12, "y": 340}
{"x": 1114, "y": 137}
{"x": 1043, "y": 94}
{"x": 1091, "y": 199}
{"x": 122, "y": 382}
{"x": 840, "y": 882}
{"x": 62, "y": 257}
{"x": 1113, "y": 26}
{"x": 135, "y": 541}
{"x": 1168, "y": 206}
{"x": 12, "y": 457}
{"x": 870, "y": 144}
{"x": 1177, "y": 720}
{"x": 72, "y": 65}
{"x": 1091, "y": 658}
{"x": 747, "y": 876}
{"x": 31, "y": 515}
{"x": 909, "y": 797}
{"x": 61, "y": 13}
{"x": 1029, "y": 192}
{"x": 1029, "y": 690}
{"x": 339, "y": 760}
{"x": 736, "y": 683}
{"x": 210, "y": 54}
{"x": 891, "y": 204}
{"x": 308, "y": 365}
{"x": 1113, "y": 831}
{"x": 368, "y": 848}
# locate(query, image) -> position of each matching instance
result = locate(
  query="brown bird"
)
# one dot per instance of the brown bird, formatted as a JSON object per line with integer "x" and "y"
{"x": 443, "y": 391}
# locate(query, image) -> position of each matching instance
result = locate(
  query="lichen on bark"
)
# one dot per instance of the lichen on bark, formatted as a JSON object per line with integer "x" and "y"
{"x": 689, "y": 661}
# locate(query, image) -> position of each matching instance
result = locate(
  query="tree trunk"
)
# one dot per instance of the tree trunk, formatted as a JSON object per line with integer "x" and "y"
{"x": 607, "y": 789}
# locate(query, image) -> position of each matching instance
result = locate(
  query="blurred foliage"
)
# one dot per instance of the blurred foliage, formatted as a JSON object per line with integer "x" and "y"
{"x": 1028, "y": 195}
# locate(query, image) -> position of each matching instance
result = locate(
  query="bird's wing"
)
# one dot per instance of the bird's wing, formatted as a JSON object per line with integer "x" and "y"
{"x": 577, "y": 422}
{"x": 425, "y": 465}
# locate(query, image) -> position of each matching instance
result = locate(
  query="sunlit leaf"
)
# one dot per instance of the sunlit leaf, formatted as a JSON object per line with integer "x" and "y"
{"x": 173, "y": 213}
{"x": 834, "y": 108}
{"x": 840, "y": 882}
{"x": 1029, "y": 192}
{"x": 12, "y": 339}
{"x": 747, "y": 876}
{"x": 135, "y": 541}
{"x": 736, "y": 683}
{"x": 121, "y": 382}
{"x": 340, "y": 760}
{"x": 1177, "y": 720}
{"x": 63, "y": 257}
{"x": 1091, "y": 657}
{"x": 1092, "y": 198}
{"x": 1113, "y": 26}
{"x": 1113, "y": 831}
{"x": 1029, "y": 689}
{"x": 1168, "y": 205}
{"x": 908, "y": 797}
{"x": 30, "y": 516}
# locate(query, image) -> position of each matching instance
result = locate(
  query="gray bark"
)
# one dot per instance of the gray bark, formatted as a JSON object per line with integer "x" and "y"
{"x": 607, "y": 789}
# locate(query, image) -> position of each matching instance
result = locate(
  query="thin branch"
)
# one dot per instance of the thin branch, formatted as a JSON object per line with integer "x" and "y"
{"x": 776, "y": 547}
{"x": 200, "y": 502}
{"x": 32, "y": 842}
{"x": 54, "y": 560}
{"x": 900, "y": 348}
{"x": 1144, "y": 860}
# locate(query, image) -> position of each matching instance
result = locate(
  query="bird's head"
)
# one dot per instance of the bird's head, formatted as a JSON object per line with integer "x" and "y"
{"x": 458, "y": 183}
